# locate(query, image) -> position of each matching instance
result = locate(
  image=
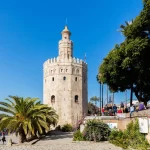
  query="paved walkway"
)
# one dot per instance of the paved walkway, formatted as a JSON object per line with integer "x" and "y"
{"x": 62, "y": 142}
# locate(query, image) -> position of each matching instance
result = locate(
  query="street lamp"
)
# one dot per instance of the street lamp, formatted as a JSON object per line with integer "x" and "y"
{"x": 100, "y": 98}
{"x": 99, "y": 76}
{"x": 102, "y": 95}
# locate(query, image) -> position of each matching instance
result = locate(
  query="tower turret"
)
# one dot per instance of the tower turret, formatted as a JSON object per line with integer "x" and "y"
{"x": 65, "y": 45}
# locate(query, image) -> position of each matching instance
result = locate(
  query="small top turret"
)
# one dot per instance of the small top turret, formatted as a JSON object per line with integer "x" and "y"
{"x": 65, "y": 45}
{"x": 66, "y": 33}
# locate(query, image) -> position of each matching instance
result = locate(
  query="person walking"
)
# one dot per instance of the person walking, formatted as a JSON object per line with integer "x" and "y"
{"x": 3, "y": 139}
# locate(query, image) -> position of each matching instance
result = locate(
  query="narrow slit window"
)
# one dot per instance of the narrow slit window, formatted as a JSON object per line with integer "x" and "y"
{"x": 76, "y": 98}
{"x": 52, "y": 99}
{"x": 76, "y": 79}
{"x": 52, "y": 78}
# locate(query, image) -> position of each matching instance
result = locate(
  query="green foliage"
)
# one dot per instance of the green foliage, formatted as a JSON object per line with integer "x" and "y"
{"x": 92, "y": 109}
{"x": 131, "y": 137}
{"x": 78, "y": 136}
{"x": 127, "y": 66}
{"x": 96, "y": 130}
{"x": 94, "y": 99}
{"x": 26, "y": 116}
{"x": 67, "y": 128}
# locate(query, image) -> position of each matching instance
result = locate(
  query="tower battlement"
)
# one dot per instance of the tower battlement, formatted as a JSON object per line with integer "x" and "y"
{"x": 54, "y": 60}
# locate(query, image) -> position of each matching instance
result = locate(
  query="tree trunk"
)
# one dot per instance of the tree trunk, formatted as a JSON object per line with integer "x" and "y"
{"x": 145, "y": 103}
{"x": 136, "y": 94}
{"x": 22, "y": 136}
{"x": 131, "y": 94}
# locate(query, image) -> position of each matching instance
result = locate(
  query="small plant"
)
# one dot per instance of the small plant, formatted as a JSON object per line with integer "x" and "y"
{"x": 131, "y": 137}
{"x": 67, "y": 128}
{"x": 78, "y": 136}
{"x": 96, "y": 130}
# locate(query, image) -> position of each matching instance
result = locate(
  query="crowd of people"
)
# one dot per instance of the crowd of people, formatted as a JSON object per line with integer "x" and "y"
{"x": 109, "y": 110}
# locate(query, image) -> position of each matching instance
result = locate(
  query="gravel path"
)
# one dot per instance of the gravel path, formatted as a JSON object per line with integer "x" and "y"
{"x": 65, "y": 146}
{"x": 61, "y": 142}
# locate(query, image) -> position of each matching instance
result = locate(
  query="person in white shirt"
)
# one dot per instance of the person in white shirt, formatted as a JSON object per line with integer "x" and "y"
{"x": 131, "y": 110}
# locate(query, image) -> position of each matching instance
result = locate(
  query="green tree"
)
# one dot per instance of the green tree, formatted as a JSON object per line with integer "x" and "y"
{"x": 94, "y": 100}
{"x": 127, "y": 66}
{"x": 26, "y": 116}
{"x": 91, "y": 108}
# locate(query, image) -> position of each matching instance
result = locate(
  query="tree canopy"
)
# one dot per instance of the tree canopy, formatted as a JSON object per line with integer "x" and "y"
{"x": 127, "y": 66}
{"x": 26, "y": 116}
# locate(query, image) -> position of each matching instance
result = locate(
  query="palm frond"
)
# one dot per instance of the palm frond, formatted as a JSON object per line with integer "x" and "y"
{"x": 7, "y": 110}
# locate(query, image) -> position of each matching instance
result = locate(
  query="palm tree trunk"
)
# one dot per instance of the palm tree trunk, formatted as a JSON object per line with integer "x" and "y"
{"x": 22, "y": 136}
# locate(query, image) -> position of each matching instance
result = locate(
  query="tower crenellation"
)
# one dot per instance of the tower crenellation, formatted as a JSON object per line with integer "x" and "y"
{"x": 65, "y": 82}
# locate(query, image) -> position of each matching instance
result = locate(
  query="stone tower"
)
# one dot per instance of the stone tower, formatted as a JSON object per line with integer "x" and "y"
{"x": 65, "y": 83}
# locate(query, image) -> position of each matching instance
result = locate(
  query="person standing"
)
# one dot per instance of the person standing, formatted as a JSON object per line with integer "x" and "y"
{"x": 131, "y": 110}
{"x": 106, "y": 110}
{"x": 122, "y": 106}
{"x": 126, "y": 110}
{"x": 141, "y": 106}
{"x": 114, "y": 109}
{"x": 103, "y": 110}
{"x": 119, "y": 110}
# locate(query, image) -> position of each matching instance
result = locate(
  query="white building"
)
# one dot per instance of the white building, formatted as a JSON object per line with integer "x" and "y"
{"x": 65, "y": 83}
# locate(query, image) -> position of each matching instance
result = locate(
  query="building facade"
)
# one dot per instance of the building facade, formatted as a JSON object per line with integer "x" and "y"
{"x": 65, "y": 83}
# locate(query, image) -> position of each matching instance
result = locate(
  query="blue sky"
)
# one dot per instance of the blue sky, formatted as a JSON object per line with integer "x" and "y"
{"x": 30, "y": 31}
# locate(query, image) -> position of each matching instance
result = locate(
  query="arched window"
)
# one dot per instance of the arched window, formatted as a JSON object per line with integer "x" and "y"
{"x": 66, "y": 70}
{"x": 64, "y": 78}
{"x": 77, "y": 71}
{"x": 61, "y": 70}
{"x": 52, "y": 99}
{"x": 51, "y": 71}
{"x": 73, "y": 70}
{"x": 52, "y": 78}
{"x": 76, "y": 99}
{"x": 76, "y": 79}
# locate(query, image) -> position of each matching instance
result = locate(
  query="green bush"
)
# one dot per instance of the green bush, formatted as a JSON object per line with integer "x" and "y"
{"x": 78, "y": 136}
{"x": 67, "y": 128}
{"x": 131, "y": 137}
{"x": 96, "y": 130}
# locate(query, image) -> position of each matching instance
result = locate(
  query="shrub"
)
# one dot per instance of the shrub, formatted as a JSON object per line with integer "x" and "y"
{"x": 131, "y": 137}
{"x": 78, "y": 136}
{"x": 96, "y": 130}
{"x": 67, "y": 128}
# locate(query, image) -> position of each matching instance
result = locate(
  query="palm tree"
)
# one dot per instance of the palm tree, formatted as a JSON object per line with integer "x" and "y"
{"x": 123, "y": 27}
{"x": 94, "y": 99}
{"x": 26, "y": 116}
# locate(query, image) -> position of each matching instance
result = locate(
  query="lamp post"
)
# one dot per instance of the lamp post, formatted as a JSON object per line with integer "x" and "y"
{"x": 126, "y": 96}
{"x": 113, "y": 100}
{"x": 100, "y": 99}
{"x": 102, "y": 95}
{"x": 107, "y": 94}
